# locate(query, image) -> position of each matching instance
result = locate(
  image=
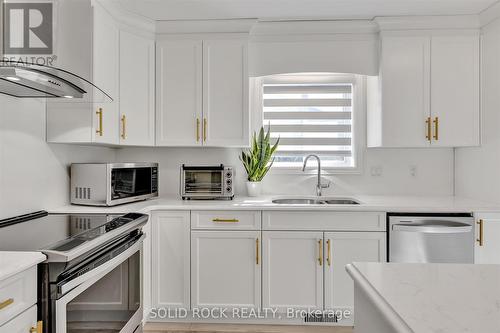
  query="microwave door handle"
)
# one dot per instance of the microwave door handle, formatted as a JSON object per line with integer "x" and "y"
{"x": 430, "y": 229}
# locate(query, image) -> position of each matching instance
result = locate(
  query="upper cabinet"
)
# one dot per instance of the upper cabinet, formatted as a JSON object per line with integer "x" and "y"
{"x": 202, "y": 92}
{"x": 427, "y": 93}
{"x": 119, "y": 59}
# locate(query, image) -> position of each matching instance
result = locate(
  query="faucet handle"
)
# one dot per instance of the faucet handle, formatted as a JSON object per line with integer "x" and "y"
{"x": 325, "y": 185}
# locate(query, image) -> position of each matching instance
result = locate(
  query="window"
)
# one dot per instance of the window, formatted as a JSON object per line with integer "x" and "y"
{"x": 311, "y": 114}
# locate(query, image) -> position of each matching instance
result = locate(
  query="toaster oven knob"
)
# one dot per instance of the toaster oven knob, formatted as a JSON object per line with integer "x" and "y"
{"x": 228, "y": 175}
{"x": 228, "y": 182}
{"x": 228, "y": 189}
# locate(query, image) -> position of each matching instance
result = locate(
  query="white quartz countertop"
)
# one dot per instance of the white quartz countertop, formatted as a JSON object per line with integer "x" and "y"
{"x": 433, "y": 297}
{"x": 12, "y": 263}
{"x": 429, "y": 204}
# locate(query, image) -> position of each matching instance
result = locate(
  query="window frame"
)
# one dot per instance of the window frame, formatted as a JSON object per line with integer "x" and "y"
{"x": 358, "y": 116}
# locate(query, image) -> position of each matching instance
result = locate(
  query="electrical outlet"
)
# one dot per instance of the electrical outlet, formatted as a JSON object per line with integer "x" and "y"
{"x": 376, "y": 171}
{"x": 413, "y": 170}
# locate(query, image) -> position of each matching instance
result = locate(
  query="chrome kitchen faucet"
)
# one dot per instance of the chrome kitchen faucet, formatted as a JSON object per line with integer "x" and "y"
{"x": 319, "y": 186}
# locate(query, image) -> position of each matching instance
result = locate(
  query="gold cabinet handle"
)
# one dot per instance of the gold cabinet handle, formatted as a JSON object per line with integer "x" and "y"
{"x": 257, "y": 251}
{"x": 329, "y": 252}
{"x": 429, "y": 129}
{"x": 99, "y": 129}
{"x": 124, "y": 127}
{"x": 436, "y": 128}
{"x": 38, "y": 328}
{"x": 218, "y": 220}
{"x": 205, "y": 126}
{"x": 197, "y": 129}
{"x": 480, "y": 240}
{"x": 6, "y": 303}
{"x": 320, "y": 258}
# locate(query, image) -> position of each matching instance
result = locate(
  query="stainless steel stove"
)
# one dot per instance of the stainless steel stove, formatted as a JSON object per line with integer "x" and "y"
{"x": 91, "y": 280}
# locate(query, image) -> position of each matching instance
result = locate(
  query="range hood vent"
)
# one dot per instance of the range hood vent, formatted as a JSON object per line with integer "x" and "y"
{"x": 27, "y": 80}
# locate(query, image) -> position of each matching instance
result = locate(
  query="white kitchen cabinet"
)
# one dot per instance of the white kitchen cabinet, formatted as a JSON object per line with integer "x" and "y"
{"x": 137, "y": 90}
{"x": 487, "y": 242}
{"x": 342, "y": 248}
{"x": 202, "y": 92}
{"x": 96, "y": 59}
{"x": 23, "y": 323}
{"x": 292, "y": 270}
{"x": 427, "y": 91}
{"x": 170, "y": 259}
{"x": 455, "y": 90}
{"x": 179, "y": 93}
{"x": 225, "y": 93}
{"x": 226, "y": 269}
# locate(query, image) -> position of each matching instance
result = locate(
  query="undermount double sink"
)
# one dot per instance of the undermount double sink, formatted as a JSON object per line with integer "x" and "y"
{"x": 315, "y": 201}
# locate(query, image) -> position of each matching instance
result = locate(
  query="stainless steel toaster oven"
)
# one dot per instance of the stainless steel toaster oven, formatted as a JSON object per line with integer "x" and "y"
{"x": 207, "y": 182}
{"x": 109, "y": 184}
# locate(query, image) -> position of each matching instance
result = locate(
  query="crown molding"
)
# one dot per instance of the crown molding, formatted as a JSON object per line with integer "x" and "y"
{"x": 128, "y": 19}
{"x": 490, "y": 14}
{"x": 204, "y": 26}
{"x": 428, "y": 22}
{"x": 313, "y": 27}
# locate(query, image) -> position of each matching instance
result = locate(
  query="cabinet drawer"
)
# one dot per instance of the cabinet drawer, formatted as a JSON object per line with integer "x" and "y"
{"x": 17, "y": 294}
{"x": 226, "y": 220}
{"x": 22, "y": 323}
{"x": 326, "y": 221}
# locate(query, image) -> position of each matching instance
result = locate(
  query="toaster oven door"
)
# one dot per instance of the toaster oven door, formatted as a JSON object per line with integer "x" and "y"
{"x": 203, "y": 182}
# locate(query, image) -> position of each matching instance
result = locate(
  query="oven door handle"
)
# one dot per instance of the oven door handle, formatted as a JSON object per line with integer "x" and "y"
{"x": 102, "y": 269}
{"x": 431, "y": 229}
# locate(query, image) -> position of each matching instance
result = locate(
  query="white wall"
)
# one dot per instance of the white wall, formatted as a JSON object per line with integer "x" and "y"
{"x": 434, "y": 171}
{"x": 34, "y": 175}
{"x": 478, "y": 169}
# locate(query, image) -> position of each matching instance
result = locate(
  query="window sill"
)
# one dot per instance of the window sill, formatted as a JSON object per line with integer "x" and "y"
{"x": 314, "y": 171}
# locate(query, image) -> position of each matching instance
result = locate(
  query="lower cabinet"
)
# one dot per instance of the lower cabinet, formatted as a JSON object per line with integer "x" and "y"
{"x": 306, "y": 270}
{"x": 225, "y": 269}
{"x": 23, "y": 323}
{"x": 170, "y": 259}
{"x": 342, "y": 248}
{"x": 293, "y": 273}
{"x": 487, "y": 241}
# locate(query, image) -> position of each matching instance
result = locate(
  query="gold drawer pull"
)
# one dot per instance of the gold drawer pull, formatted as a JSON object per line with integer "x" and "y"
{"x": 38, "y": 328}
{"x": 225, "y": 220}
{"x": 481, "y": 232}
{"x": 329, "y": 252}
{"x": 197, "y": 129}
{"x": 99, "y": 130}
{"x": 6, "y": 303}
{"x": 320, "y": 258}
{"x": 257, "y": 251}
{"x": 205, "y": 129}
{"x": 429, "y": 128}
{"x": 124, "y": 127}
{"x": 436, "y": 128}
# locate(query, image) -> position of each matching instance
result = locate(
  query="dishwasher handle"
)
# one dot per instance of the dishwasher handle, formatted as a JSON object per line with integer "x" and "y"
{"x": 430, "y": 229}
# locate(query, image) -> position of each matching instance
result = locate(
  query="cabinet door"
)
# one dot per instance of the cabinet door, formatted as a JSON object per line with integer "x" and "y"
{"x": 225, "y": 93}
{"x": 404, "y": 75}
{"x": 22, "y": 323}
{"x": 342, "y": 248}
{"x": 137, "y": 75}
{"x": 487, "y": 243}
{"x": 226, "y": 269}
{"x": 292, "y": 272}
{"x": 106, "y": 50}
{"x": 179, "y": 93}
{"x": 170, "y": 259}
{"x": 455, "y": 90}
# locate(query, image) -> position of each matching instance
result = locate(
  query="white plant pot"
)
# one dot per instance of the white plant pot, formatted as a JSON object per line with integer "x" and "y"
{"x": 254, "y": 189}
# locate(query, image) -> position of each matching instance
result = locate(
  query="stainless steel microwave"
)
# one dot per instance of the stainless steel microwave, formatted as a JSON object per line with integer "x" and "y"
{"x": 110, "y": 184}
{"x": 207, "y": 182}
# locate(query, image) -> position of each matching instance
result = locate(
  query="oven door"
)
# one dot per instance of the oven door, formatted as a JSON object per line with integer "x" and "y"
{"x": 207, "y": 182}
{"x": 131, "y": 183}
{"x": 105, "y": 299}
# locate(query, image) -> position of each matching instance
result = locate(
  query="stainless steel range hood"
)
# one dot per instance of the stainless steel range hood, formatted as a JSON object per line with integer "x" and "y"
{"x": 25, "y": 80}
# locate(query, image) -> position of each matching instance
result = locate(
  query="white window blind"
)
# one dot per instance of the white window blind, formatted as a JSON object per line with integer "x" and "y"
{"x": 310, "y": 118}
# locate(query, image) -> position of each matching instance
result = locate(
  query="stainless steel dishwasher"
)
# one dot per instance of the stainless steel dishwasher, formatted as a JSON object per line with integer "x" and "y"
{"x": 431, "y": 238}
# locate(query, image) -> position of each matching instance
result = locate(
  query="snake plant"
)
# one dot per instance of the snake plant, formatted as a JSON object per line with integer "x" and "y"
{"x": 259, "y": 158}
